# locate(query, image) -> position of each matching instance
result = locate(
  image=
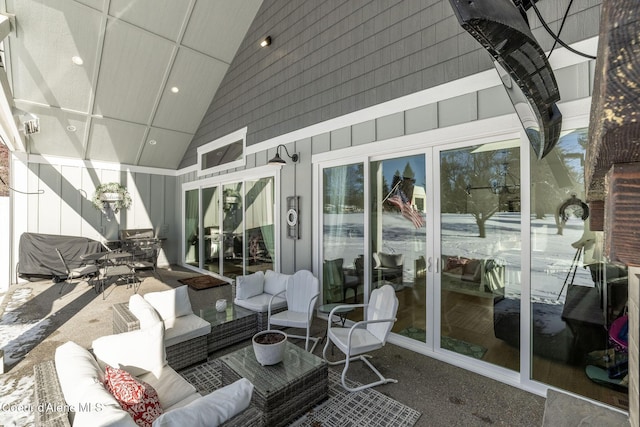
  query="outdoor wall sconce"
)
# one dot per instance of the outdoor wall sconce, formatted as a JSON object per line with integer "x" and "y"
{"x": 265, "y": 41}
{"x": 277, "y": 160}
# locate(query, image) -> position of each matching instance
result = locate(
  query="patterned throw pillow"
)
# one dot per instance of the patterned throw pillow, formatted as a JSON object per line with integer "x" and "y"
{"x": 136, "y": 397}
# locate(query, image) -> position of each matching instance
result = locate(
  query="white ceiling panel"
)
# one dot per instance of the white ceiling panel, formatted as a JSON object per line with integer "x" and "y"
{"x": 41, "y": 67}
{"x": 54, "y": 138}
{"x": 197, "y": 77}
{"x": 162, "y": 17}
{"x": 133, "y": 71}
{"x": 217, "y": 27}
{"x": 115, "y": 141}
{"x": 168, "y": 150}
{"x": 133, "y": 52}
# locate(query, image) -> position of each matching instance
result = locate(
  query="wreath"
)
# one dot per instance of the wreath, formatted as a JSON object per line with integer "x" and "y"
{"x": 111, "y": 193}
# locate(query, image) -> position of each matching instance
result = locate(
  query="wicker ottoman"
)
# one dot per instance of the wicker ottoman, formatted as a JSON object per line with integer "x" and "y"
{"x": 283, "y": 391}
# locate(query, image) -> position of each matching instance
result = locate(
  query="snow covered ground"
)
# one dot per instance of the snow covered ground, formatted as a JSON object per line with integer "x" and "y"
{"x": 551, "y": 254}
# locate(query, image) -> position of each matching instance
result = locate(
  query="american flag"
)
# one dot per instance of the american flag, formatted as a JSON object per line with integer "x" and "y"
{"x": 400, "y": 200}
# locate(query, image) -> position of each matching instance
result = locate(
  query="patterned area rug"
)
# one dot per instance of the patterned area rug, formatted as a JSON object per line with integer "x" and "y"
{"x": 459, "y": 346}
{"x": 364, "y": 408}
{"x": 202, "y": 282}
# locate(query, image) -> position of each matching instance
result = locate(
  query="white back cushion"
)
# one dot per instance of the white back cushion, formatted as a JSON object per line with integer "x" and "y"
{"x": 171, "y": 303}
{"x": 76, "y": 369}
{"x": 250, "y": 285}
{"x": 137, "y": 352}
{"x": 275, "y": 282}
{"x": 211, "y": 410}
{"x": 146, "y": 314}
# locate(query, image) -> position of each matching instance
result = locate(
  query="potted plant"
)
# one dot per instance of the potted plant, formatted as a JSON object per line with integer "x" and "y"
{"x": 268, "y": 346}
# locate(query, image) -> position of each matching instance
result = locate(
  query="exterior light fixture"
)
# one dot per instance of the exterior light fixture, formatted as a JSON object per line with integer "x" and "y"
{"x": 77, "y": 60}
{"x": 175, "y": 89}
{"x": 265, "y": 41}
{"x": 152, "y": 142}
{"x": 277, "y": 160}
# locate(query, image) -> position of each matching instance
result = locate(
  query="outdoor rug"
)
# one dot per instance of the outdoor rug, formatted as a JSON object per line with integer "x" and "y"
{"x": 472, "y": 350}
{"x": 342, "y": 408}
{"x": 203, "y": 281}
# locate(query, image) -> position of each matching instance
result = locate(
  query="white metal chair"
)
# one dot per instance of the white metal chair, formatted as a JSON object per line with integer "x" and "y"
{"x": 302, "y": 293}
{"x": 366, "y": 335}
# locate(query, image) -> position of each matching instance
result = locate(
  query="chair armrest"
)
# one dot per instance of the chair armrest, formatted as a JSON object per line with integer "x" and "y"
{"x": 271, "y": 301}
{"x": 363, "y": 323}
{"x": 123, "y": 319}
{"x": 52, "y": 409}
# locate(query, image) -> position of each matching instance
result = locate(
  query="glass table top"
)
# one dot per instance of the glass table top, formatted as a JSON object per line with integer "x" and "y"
{"x": 233, "y": 312}
{"x": 269, "y": 379}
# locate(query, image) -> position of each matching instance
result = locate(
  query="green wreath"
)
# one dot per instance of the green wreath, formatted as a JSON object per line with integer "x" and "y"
{"x": 104, "y": 195}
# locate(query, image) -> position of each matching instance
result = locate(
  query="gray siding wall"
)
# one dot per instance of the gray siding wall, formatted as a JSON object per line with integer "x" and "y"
{"x": 330, "y": 58}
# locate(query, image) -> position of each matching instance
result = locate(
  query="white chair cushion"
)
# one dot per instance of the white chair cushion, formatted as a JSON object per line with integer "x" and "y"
{"x": 275, "y": 282}
{"x": 212, "y": 409}
{"x": 171, "y": 303}
{"x": 137, "y": 352}
{"x": 183, "y": 402}
{"x": 184, "y": 328}
{"x": 77, "y": 370}
{"x": 146, "y": 314}
{"x": 250, "y": 285}
{"x": 260, "y": 303}
{"x": 170, "y": 386}
{"x": 104, "y": 416}
{"x": 362, "y": 341}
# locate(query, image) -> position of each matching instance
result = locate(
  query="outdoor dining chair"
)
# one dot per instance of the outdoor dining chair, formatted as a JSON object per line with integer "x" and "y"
{"x": 302, "y": 293}
{"x": 89, "y": 270}
{"x": 364, "y": 336}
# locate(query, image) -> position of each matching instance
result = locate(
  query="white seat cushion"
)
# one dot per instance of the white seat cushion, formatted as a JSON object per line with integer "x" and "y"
{"x": 210, "y": 410}
{"x": 137, "y": 352}
{"x": 260, "y": 303}
{"x": 292, "y": 319}
{"x": 170, "y": 386}
{"x": 362, "y": 341}
{"x": 183, "y": 328}
{"x": 171, "y": 303}
{"x": 104, "y": 416}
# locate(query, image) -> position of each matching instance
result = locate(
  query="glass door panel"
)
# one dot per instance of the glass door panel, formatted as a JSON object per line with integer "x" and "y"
{"x": 211, "y": 229}
{"x": 232, "y": 230}
{"x": 259, "y": 225}
{"x": 480, "y": 252}
{"x": 191, "y": 232}
{"x": 398, "y": 239}
{"x": 576, "y": 294}
{"x": 343, "y": 235}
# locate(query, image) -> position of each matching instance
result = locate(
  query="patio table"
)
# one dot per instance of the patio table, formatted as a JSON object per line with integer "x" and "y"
{"x": 233, "y": 325}
{"x": 283, "y": 391}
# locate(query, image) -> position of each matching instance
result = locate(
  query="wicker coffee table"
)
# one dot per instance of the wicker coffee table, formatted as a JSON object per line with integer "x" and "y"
{"x": 233, "y": 325}
{"x": 283, "y": 391}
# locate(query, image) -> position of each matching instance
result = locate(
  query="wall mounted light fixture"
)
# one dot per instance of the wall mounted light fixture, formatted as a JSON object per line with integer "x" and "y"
{"x": 265, "y": 41}
{"x": 277, "y": 160}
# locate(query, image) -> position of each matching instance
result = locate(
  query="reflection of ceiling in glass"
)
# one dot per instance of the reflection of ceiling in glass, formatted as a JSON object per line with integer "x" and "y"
{"x": 494, "y": 146}
{"x": 223, "y": 155}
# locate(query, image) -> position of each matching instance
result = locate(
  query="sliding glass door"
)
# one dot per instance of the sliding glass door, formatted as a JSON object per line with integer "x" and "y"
{"x": 480, "y": 252}
{"x": 234, "y": 233}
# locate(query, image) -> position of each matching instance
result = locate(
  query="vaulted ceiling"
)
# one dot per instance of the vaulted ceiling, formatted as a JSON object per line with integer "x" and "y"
{"x": 125, "y": 81}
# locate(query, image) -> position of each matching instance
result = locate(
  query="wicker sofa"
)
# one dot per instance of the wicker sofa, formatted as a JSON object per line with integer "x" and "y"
{"x": 185, "y": 333}
{"x": 72, "y": 390}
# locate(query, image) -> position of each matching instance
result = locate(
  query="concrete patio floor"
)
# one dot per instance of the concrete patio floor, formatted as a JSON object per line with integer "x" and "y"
{"x": 444, "y": 394}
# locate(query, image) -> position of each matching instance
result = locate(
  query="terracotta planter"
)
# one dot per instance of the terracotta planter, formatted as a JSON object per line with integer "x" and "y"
{"x": 269, "y": 353}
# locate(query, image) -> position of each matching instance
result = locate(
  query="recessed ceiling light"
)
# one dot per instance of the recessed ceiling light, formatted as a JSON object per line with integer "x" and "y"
{"x": 77, "y": 60}
{"x": 175, "y": 89}
{"x": 152, "y": 142}
{"x": 265, "y": 41}
{"x": 72, "y": 128}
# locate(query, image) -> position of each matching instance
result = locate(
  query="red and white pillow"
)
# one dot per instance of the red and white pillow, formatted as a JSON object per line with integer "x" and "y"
{"x": 136, "y": 397}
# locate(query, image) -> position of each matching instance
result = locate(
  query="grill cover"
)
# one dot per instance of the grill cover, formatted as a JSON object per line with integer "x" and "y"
{"x": 38, "y": 258}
